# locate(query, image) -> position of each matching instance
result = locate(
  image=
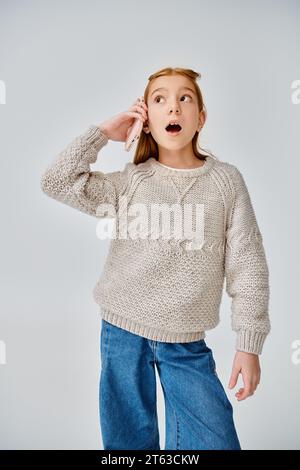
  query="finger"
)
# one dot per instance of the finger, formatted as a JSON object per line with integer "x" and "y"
{"x": 234, "y": 377}
{"x": 239, "y": 394}
{"x": 140, "y": 109}
{"x": 142, "y": 104}
{"x": 135, "y": 115}
{"x": 243, "y": 395}
{"x": 245, "y": 392}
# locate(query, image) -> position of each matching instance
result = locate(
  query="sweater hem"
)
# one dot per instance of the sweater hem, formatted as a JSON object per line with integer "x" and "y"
{"x": 150, "y": 332}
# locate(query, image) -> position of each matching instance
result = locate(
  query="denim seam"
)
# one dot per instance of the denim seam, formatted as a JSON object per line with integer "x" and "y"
{"x": 108, "y": 343}
{"x": 177, "y": 430}
{"x": 156, "y": 427}
{"x": 154, "y": 351}
{"x": 213, "y": 364}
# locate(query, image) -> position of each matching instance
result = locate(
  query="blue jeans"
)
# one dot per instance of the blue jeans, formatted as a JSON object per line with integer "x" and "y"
{"x": 198, "y": 413}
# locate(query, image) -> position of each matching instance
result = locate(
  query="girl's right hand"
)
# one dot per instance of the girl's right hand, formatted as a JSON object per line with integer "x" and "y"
{"x": 118, "y": 127}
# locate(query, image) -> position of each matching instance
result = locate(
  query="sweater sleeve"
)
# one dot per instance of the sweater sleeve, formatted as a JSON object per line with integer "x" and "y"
{"x": 68, "y": 178}
{"x": 246, "y": 270}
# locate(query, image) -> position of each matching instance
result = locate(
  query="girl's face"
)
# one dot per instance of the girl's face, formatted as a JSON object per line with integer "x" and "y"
{"x": 173, "y": 98}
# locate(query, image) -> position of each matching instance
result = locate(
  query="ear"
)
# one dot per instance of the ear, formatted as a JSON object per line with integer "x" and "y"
{"x": 202, "y": 117}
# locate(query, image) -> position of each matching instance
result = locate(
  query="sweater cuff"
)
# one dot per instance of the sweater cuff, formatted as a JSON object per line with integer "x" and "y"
{"x": 96, "y": 137}
{"x": 250, "y": 341}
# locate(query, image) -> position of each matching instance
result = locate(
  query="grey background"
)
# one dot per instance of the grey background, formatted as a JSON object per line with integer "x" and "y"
{"x": 69, "y": 64}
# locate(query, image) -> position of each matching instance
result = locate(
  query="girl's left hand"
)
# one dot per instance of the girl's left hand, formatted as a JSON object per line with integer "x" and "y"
{"x": 248, "y": 365}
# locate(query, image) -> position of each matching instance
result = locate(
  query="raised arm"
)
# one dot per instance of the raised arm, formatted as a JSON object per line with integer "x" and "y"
{"x": 68, "y": 178}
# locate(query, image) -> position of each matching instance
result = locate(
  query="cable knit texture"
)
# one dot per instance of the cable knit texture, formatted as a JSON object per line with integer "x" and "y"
{"x": 170, "y": 288}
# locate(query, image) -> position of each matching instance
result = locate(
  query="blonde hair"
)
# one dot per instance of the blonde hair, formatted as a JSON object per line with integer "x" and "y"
{"x": 147, "y": 146}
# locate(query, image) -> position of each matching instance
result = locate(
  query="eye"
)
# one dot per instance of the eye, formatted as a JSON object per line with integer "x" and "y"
{"x": 188, "y": 96}
{"x": 160, "y": 96}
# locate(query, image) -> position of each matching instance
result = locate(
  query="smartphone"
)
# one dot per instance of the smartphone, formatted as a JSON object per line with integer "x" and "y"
{"x": 134, "y": 134}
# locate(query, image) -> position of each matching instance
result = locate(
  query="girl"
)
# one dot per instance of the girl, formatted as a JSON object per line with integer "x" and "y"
{"x": 159, "y": 293}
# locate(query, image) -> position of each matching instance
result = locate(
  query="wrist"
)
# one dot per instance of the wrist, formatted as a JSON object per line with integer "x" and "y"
{"x": 103, "y": 130}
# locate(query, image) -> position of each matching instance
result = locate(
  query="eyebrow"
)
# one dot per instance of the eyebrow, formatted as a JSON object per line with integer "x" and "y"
{"x": 181, "y": 88}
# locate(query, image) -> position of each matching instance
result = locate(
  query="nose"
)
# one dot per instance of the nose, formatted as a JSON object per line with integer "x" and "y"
{"x": 174, "y": 109}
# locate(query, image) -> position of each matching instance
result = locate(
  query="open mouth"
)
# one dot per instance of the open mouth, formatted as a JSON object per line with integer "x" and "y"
{"x": 173, "y": 129}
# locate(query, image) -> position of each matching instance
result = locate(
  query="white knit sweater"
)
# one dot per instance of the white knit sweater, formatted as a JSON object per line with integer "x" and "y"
{"x": 169, "y": 288}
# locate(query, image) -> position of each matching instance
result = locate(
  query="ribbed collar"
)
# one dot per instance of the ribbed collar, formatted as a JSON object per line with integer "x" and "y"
{"x": 191, "y": 172}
